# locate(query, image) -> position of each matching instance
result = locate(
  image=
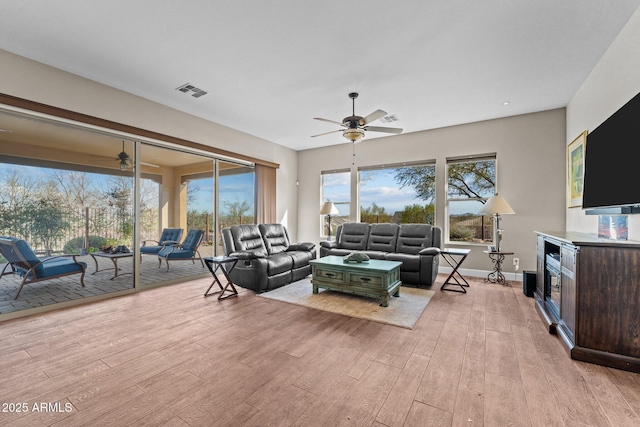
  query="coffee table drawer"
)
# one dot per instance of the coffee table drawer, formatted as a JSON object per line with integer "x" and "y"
{"x": 365, "y": 278}
{"x": 328, "y": 274}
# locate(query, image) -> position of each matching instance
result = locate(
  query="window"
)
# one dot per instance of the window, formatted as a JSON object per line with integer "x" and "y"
{"x": 236, "y": 195}
{"x": 336, "y": 188}
{"x": 236, "y": 198}
{"x": 398, "y": 193}
{"x": 470, "y": 182}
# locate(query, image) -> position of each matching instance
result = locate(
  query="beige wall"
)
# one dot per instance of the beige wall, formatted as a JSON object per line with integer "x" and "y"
{"x": 612, "y": 83}
{"x": 530, "y": 155}
{"x": 34, "y": 81}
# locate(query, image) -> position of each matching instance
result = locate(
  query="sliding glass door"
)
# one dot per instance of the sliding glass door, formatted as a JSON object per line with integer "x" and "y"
{"x": 66, "y": 195}
{"x": 105, "y": 202}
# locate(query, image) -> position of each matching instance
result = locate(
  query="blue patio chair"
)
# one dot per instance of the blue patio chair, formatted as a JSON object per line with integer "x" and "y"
{"x": 26, "y": 264}
{"x": 186, "y": 250}
{"x": 169, "y": 236}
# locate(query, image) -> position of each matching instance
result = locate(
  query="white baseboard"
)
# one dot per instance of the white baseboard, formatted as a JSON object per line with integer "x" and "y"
{"x": 510, "y": 276}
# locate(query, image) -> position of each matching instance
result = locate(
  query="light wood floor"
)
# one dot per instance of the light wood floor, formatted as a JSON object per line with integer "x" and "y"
{"x": 170, "y": 357}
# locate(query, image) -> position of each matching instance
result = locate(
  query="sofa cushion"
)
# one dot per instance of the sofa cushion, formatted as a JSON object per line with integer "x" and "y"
{"x": 279, "y": 263}
{"x": 412, "y": 238}
{"x": 375, "y": 254}
{"x": 383, "y": 237}
{"x": 409, "y": 262}
{"x": 275, "y": 238}
{"x": 338, "y": 252}
{"x": 354, "y": 236}
{"x": 247, "y": 238}
{"x": 300, "y": 258}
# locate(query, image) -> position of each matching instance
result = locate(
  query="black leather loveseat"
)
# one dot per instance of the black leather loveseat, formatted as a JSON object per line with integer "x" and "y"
{"x": 268, "y": 259}
{"x": 417, "y": 246}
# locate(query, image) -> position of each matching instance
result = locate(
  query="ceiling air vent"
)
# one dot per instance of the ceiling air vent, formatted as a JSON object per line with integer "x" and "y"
{"x": 389, "y": 119}
{"x": 188, "y": 87}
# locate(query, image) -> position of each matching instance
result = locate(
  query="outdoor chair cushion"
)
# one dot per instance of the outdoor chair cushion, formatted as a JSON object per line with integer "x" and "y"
{"x": 23, "y": 259}
{"x": 176, "y": 253}
{"x": 184, "y": 250}
{"x": 169, "y": 236}
{"x": 59, "y": 266}
{"x": 26, "y": 264}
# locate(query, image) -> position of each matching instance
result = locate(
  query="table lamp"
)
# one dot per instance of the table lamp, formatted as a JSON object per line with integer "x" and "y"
{"x": 497, "y": 205}
{"x": 328, "y": 209}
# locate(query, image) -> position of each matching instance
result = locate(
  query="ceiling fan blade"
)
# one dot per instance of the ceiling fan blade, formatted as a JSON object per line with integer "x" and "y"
{"x": 374, "y": 116}
{"x": 327, "y": 133}
{"x": 382, "y": 129}
{"x": 327, "y": 120}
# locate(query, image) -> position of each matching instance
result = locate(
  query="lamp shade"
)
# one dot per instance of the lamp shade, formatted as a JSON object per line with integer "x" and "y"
{"x": 328, "y": 209}
{"x": 496, "y": 205}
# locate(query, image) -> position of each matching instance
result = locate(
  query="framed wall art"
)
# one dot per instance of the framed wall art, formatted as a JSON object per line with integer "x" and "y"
{"x": 575, "y": 170}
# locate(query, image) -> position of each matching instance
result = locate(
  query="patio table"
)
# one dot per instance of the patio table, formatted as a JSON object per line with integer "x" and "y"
{"x": 114, "y": 259}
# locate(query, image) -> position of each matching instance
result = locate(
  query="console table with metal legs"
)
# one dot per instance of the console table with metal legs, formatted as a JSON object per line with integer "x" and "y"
{"x": 225, "y": 264}
{"x": 496, "y": 275}
{"x": 449, "y": 255}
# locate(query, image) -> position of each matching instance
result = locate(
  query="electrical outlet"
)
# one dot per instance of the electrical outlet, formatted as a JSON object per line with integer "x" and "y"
{"x": 516, "y": 261}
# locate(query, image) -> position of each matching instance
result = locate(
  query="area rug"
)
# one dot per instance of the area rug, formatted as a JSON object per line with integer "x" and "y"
{"x": 403, "y": 311}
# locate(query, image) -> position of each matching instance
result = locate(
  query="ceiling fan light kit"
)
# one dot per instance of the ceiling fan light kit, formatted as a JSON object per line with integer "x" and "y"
{"x": 353, "y": 135}
{"x": 125, "y": 160}
{"x": 355, "y": 126}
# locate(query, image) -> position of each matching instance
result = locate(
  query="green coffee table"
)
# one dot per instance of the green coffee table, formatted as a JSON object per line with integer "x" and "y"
{"x": 374, "y": 278}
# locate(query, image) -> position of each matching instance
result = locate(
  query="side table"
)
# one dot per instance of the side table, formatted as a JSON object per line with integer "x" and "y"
{"x": 497, "y": 258}
{"x": 449, "y": 255}
{"x": 225, "y": 264}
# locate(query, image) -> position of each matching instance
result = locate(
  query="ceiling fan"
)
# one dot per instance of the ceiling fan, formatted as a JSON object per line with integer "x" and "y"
{"x": 125, "y": 160}
{"x": 355, "y": 126}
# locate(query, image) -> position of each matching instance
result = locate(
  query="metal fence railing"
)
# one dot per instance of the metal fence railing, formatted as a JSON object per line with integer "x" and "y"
{"x": 471, "y": 228}
{"x": 76, "y": 229}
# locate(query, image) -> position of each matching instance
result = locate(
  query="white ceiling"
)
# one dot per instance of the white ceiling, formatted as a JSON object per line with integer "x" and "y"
{"x": 270, "y": 67}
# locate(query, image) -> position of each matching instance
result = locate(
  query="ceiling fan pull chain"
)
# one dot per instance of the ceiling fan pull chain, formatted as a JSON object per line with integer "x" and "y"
{"x": 353, "y": 158}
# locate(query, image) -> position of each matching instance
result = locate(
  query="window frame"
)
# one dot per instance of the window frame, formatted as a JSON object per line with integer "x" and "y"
{"x": 447, "y": 223}
{"x": 323, "y": 199}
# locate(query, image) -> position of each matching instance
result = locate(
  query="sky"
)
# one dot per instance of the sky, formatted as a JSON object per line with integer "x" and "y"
{"x": 33, "y": 173}
{"x": 380, "y": 187}
{"x": 377, "y": 187}
{"x": 238, "y": 187}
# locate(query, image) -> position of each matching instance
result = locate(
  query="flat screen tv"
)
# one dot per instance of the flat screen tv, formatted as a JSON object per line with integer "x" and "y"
{"x": 612, "y": 165}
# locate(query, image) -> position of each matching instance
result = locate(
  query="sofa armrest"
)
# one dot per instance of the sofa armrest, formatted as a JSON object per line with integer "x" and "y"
{"x": 329, "y": 245}
{"x": 306, "y": 246}
{"x": 430, "y": 251}
{"x": 246, "y": 255}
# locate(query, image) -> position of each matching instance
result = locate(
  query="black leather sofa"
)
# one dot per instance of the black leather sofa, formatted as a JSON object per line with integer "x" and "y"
{"x": 417, "y": 246}
{"x": 268, "y": 259}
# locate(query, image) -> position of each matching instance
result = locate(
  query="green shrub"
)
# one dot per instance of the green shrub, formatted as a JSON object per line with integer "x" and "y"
{"x": 75, "y": 245}
{"x": 460, "y": 233}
